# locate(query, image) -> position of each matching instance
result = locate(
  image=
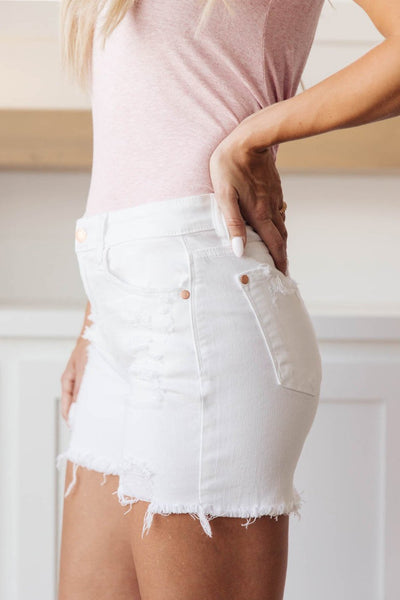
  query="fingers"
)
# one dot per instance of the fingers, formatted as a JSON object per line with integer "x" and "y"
{"x": 78, "y": 379}
{"x": 275, "y": 241}
{"x": 279, "y": 223}
{"x": 272, "y": 231}
{"x": 72, "y": 377}
{"x": 235, "y": 223}
{"x": 67, "y": 391}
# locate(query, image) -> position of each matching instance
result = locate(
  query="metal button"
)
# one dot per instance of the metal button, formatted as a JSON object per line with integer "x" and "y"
{"x": 81, "y": 235}
{"x": 244, "y": 278}
{"x": 185, "y": 294}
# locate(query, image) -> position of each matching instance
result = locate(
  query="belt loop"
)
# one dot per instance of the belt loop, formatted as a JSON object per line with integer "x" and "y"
{"x": 218, "y": 219}
{"x": 101, "y": 233}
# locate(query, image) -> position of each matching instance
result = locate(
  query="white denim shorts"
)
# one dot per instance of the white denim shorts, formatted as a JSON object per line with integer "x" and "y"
{"x": 203, "y": 372}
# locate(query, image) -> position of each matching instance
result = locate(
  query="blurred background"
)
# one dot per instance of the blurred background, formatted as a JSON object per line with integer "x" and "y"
{"x": 343, "y": 218}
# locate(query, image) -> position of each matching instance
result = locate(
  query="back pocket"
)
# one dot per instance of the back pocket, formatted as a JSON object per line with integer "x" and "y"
{"x": 285, "y": 324}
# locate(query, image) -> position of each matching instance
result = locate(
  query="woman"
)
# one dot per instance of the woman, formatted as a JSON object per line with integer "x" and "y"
{"x": 197, "y": 367}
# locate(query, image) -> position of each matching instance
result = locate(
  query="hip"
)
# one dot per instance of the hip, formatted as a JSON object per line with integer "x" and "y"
{"x": 169, "y": 298}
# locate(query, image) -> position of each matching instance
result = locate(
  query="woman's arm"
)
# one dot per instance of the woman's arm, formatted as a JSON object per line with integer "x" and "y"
{"x": 244, "y": 176}
{"x": 367, "y": 90}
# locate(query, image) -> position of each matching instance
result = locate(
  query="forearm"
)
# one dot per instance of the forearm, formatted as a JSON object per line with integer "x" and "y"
{"x": 364, "y": 91}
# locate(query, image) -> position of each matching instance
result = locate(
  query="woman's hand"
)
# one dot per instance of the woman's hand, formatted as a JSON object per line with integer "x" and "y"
{"x": 72, "y": 376}
{"x": 248, "y": 189}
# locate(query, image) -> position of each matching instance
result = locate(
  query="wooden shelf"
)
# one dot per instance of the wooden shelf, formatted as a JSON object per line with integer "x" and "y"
{"x": 62, "y": 140}
{"x": 45, "y": 139}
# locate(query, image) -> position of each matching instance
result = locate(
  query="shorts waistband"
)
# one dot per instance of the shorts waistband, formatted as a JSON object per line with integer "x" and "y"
{"x": 174, "y": 216}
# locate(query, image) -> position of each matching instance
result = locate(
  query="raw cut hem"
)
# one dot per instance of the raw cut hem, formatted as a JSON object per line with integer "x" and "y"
{"x": 206, "y": 513}
{"x": 86, "y": 459}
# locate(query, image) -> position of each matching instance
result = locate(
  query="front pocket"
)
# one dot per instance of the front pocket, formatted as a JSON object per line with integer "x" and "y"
{"x": 286, "y": 327}
{"x": 147, "y": 266}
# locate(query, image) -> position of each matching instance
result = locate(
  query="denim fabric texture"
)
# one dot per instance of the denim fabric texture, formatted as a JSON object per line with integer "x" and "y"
{"x": 203, "y": 374}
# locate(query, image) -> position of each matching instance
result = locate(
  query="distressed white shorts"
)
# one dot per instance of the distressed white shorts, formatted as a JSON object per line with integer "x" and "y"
{"x": 203, "y": 372}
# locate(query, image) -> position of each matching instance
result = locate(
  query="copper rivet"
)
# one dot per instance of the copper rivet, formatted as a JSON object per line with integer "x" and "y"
{"x": 80, "y": 235}
{"x": 244, "y": 278}
{"x": 185, "y": 294}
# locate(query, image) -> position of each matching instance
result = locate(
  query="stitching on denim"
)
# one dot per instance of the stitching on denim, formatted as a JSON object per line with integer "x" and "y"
{"x": 131, "y": 287}
{"x": 200, "y": 364}
{"x": 278, "y": 284}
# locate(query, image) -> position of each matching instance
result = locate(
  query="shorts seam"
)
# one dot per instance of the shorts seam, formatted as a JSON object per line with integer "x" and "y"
{"x": 199, "y": 361}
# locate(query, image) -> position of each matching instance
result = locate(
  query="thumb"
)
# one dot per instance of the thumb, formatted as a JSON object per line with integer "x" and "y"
{"x": 229, "y": 205}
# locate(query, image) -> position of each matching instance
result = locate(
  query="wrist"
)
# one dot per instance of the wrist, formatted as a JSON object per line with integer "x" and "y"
{"x": 260, "y": 130}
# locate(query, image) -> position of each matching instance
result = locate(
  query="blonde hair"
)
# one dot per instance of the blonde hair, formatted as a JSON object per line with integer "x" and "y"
{"x": 77, "y": 25}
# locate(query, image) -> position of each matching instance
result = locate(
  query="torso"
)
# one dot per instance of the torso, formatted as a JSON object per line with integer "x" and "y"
{"x": 163, "y": 100}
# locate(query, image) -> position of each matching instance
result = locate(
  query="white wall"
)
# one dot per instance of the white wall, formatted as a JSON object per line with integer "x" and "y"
{"x": 30, "y": 57}
{"x": 344, "y": 241}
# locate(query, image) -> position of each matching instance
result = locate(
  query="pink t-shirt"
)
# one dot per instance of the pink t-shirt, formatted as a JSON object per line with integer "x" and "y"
{"x": 163, "y": 100}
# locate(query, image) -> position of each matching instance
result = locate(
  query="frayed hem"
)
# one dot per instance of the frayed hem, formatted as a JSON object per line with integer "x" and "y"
{"x": 87, "y": 460}
{"x": 204, "y": 513}
{"x": 208, "y": 512}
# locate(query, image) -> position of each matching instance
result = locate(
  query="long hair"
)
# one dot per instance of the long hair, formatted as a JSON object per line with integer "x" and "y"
{"x": 77, "y": 25}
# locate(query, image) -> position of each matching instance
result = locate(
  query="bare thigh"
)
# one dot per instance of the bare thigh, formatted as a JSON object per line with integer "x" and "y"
{"x": 176, "y": 560}
{"x": 96, "y": 558}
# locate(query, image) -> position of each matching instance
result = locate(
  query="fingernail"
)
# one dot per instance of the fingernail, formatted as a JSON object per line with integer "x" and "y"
{"x": 237, "y": 245}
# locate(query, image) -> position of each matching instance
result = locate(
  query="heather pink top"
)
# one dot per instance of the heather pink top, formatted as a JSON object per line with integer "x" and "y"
{"x": 163, "y": 100}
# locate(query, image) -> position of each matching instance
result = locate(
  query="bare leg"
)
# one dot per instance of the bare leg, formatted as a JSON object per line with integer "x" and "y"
{"x": 176, "y": 560}
{"x": 96, "y": 559}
